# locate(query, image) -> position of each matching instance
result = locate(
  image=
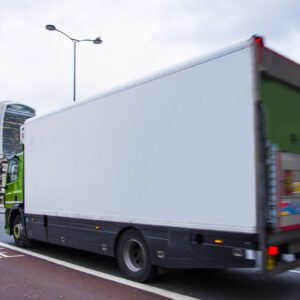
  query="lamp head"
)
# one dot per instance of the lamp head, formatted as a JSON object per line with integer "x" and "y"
{"x": 97, "y": 40}
{"x": 50, "y": 27}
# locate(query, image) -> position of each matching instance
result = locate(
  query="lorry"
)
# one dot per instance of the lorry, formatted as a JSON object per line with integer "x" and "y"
{"x": 195, "y": 167}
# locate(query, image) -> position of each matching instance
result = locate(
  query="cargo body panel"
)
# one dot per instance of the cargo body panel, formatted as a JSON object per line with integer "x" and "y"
{"x": 177, "y": 150}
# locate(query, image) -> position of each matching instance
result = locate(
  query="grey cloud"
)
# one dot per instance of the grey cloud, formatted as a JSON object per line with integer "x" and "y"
{"x": 205, "y": 22}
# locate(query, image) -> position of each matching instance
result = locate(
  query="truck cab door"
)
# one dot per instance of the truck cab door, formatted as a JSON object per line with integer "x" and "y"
{"x": 13, "y": 190}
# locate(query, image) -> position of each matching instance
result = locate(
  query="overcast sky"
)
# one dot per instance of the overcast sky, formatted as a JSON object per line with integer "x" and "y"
{"x": 139, "y": 37}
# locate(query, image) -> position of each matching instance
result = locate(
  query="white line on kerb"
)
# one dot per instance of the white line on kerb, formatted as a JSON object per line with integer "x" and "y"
{"x": 117, "y": 279}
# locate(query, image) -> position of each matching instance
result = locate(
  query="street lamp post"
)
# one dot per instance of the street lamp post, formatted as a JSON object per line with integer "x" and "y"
{"x": 75, "y": 41}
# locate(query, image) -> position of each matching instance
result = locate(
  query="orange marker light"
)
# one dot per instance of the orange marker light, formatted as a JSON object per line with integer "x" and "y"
{"x": 218, "y": 241}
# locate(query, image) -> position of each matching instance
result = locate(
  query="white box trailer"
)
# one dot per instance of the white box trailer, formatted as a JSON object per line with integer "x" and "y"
{"x": 198, "y": 166}
{"x": 163, "y": 152}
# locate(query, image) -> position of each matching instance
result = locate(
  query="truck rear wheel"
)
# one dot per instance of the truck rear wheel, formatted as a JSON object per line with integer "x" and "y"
{"x": 19, "y": 233}
{"x": 133, "y": 257}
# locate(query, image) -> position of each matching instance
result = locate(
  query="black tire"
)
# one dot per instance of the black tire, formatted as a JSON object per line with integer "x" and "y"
{"x": 19, "y": 233}
{"x": 133, "y": 257}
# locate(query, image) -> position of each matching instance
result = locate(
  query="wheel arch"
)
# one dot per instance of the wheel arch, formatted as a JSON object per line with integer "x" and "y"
{"x": 14, "y": 211}
{"x": 120, "y": 233}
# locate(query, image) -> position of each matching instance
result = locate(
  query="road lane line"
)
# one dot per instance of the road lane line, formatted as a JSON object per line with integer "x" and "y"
{"x": 294, "y": 271}
{"x": 141, "y": 286}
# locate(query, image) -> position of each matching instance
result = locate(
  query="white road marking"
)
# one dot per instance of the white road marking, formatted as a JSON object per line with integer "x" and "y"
{"x": 141, "y": 286}
{"x": 294, "y": 271}
{"x": 5, "y": 255}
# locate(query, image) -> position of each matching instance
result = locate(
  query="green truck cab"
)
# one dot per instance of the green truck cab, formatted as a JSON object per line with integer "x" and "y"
{"x": 14, "y": 190}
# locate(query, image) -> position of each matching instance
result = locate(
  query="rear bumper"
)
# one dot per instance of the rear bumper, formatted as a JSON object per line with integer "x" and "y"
{"x": 288, "y": 257}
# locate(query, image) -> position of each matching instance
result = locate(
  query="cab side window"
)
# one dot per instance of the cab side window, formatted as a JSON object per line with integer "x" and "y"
{"x": 12, "y": 172}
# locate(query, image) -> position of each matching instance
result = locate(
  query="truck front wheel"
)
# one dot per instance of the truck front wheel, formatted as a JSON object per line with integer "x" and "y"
{"x": 19, "y": 233}
{"x": 133, "y": 257}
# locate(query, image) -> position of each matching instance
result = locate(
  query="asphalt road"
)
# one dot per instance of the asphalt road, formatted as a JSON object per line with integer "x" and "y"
{"x": 43, "y": 280}
{"x": 201, "y": 284}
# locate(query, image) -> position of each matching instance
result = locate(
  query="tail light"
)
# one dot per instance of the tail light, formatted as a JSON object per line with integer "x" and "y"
{"x": 260, "y": 44}
{"x": 259, "y": 40}
{"x": 273, "y": 250}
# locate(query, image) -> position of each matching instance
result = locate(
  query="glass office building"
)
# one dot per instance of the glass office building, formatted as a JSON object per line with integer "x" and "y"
{"x": 12, "y": 117}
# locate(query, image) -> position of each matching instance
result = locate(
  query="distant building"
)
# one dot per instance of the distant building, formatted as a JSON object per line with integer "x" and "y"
{"x": 12, "y": 117}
